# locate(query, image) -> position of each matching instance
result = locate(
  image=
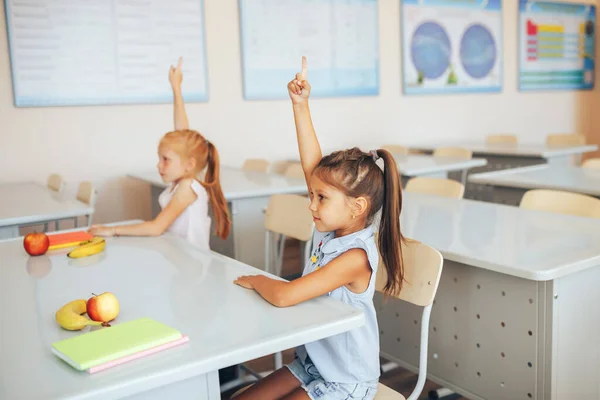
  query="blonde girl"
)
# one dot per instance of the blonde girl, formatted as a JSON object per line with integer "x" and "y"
{"x": 182, "y": 155}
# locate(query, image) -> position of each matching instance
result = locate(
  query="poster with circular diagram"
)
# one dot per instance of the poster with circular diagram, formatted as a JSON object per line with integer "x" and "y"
{"x": 451, "y": 46}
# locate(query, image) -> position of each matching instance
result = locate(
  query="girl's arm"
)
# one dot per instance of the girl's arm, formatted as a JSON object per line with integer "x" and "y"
{"x": 308, "y": 144}
{"x": 351, "y": 268}
{"x": 183, "y": 197}
{"x": 179, "y": 115}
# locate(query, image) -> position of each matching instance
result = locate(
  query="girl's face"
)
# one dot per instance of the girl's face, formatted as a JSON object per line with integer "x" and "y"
{"x": 332, "y": 210}
{"x": 170, "y": 165}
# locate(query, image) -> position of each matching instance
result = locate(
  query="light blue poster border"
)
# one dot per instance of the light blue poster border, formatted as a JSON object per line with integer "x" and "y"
{"x": 495, "y": 5}
{"x": 553, "y": 7}
{"x": 272, "y": 84}
{"x": 26, "y": 102}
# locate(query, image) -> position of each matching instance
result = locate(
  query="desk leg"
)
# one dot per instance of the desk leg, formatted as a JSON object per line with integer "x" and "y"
{"x": 248, "y": 230}
{"x": 201, "y": 387}
{"x": 9, "y": 232}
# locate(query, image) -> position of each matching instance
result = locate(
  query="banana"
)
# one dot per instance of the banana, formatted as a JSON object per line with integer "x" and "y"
{"x": 95, "y": 246}
{"x": 69, "y": 316}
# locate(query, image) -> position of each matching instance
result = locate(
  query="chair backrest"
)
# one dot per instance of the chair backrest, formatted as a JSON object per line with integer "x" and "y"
{"x": 561, "y": 202}
{"x": 288, "y": 214}
{"x": 256, "y": 164}
{"x": 55, "y": 182}
{"x": 502, "y": 139}
{"x": 87, "y": 193}
{"x": 456, "y": 152}
{"x": 422, "y": 272}
{"x": 435, "y": 186}
{"x": 294, "y": 170}
{"x": 565, "y": 139}
{"x": 396, "y": 149}
{"x": 591, "y": 163}
{"x": 279, "y": 167}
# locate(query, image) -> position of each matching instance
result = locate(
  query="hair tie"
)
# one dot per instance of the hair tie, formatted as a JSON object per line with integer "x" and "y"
{"x": 374, "y": 155}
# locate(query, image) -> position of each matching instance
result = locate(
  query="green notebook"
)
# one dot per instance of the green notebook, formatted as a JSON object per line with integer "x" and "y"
{"x": 110, "y": 343}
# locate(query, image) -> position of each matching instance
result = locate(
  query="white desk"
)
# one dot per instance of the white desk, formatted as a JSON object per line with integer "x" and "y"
{"x": 30, "y": 203}
{"x": 506, "y": 156}
{"x": 412, "y": 165}
{"x": 517, "y": 312}
{"x": 164, "y": 278}
{"x": 508, "y": 186}
{"x": 247, "y": 194}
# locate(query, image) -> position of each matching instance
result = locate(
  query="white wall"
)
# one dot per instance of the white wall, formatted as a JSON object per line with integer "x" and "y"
{"x": 104, "y": 143}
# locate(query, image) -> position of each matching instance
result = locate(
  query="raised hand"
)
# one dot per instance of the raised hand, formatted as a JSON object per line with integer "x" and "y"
{"x": 175, "y": 75}
{"x": 299, "y": 88}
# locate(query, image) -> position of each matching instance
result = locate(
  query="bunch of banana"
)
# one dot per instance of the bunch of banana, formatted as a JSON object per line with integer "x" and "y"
{"x": 69, "y": 316}
{"x": 94, "y": 246}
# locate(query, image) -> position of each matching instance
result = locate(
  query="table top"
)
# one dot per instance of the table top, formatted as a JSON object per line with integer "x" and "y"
{"x": 519, "y": 150}
{"x": 239, "y": 184}
{"x": 29, "y": 203}
{"x": 164, "y": 278}
{"x": 546, "y": 176}
{"x": 530, "y": 244}
{"x": 416, "y": 165}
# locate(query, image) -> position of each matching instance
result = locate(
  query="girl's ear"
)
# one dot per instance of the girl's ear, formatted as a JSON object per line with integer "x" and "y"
{"x": 190, "y": 164}
{"x": 359, "y": 206}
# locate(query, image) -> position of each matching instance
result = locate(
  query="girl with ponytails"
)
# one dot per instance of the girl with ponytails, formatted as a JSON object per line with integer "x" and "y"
{"x": 182, "y": 155}
{"x": 347, "y": 189}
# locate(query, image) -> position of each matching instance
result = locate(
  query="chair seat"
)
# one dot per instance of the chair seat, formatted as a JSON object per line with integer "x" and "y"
{"x": 385, "y": 393}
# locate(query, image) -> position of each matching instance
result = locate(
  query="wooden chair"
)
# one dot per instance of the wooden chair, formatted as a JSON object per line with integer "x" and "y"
{"x": 435, "y": 186}
{"x": 422, "y": 272}
{"x": 396, "y": 149}
{"x": 86, "y": 194}
{"x": 279, "y": 167}
{"x": 561, "y": 202}
{"x": 456, "y": 152}
{"x": 565, "y": 139}
{"x": 506, "y": 139}
{"x": 55, "y": 183}
{"x": 294, "y": 170}
{"x": 256, "y": 164}
{"x": 591, "y": 163}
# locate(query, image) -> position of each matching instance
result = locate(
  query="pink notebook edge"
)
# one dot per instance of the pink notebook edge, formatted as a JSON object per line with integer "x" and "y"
{"x": 183, "y": 339}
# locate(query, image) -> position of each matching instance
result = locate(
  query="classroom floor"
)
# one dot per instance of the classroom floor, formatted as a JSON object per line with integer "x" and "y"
{"x": 399, "y": 379}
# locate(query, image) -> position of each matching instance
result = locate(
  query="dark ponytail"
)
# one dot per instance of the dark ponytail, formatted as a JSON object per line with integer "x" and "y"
{"x": 390, "y": 236}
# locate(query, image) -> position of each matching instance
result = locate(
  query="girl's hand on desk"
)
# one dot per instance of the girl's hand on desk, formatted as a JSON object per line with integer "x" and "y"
{"x": 99, "y": 230}
{"x": 245, "y": 281}
{"x": 299, "y": 88}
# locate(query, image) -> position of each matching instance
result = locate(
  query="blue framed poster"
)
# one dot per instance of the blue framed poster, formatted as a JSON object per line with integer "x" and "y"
{"x": 105, "y": 52}
{"x": 556, "y": 45}
{"x": 451, "y": 46}
{"x": 338, "y": 37}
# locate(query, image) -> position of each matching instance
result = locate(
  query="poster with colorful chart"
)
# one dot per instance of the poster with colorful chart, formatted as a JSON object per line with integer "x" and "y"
{"x": 452, "y": 46}
{"x": 556, "y": 45}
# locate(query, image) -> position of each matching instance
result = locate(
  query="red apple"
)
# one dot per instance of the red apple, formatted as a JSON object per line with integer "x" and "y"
{"x": 36, "y": 244}
{"x": 103, "y": 307}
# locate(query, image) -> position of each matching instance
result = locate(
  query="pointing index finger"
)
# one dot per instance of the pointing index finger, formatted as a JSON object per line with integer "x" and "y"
{"x": 180, "y": 62}
{"x": 304, "y": 68}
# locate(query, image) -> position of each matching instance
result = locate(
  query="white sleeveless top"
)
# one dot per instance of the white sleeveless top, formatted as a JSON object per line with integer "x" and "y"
{"x": 193, "y": 224}
{"x": 352, "y": 356}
